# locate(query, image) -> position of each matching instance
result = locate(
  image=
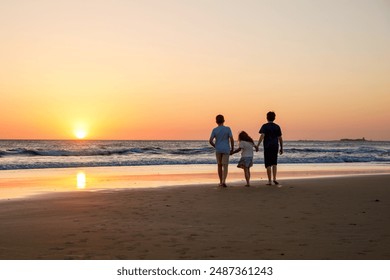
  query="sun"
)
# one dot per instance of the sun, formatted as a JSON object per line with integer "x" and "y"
{"x": 80, "y": 130}
{"x": 80, "y": 133}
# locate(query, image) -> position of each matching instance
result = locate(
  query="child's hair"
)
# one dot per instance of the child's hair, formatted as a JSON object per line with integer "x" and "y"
{"x": 243, "y": 136}
{"x": 220, "y": 119}
{"x": 271, "y": 116}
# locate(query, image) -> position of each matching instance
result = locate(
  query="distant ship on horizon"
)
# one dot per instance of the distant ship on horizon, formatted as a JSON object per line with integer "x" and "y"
{"x": 348, "y": 139}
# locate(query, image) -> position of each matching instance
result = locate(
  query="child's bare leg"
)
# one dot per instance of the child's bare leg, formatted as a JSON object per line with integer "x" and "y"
{"x": 220, "y": 173}
{"x": 247, "y": 175}
{"x": 269, "y": 171}
{"x": 274, "y": 171}
{"x": 224, "y": 173}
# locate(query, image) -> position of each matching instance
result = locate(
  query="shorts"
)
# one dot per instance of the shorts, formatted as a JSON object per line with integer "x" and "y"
{"x": 245, "y": 162}
{"x": 222, "y": 158}
{"x": 270, "y": 157}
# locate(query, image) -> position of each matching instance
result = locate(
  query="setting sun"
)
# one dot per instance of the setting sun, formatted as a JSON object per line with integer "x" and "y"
{"x": 80, "y": 133}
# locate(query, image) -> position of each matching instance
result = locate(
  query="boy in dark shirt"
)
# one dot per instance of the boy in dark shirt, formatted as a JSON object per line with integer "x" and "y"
{"x": 272, "y": 136}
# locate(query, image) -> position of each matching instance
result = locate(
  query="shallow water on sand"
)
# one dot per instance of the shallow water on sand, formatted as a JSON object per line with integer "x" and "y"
{"x": 24, "y": 183}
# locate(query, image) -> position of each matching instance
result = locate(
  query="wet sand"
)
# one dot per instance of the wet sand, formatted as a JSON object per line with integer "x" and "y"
{"x": 343, "y": 217}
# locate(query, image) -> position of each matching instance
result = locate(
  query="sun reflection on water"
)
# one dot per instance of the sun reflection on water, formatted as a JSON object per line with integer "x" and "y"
{"x": 81, "y": 180}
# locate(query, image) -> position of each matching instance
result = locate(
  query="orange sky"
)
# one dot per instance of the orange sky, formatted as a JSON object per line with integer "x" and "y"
{"x": 164, "y": 69}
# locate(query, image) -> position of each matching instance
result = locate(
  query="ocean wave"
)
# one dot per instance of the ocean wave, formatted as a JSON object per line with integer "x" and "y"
{"x": 80, "y": 153}
{"x": 334, "y": 150}
{"x": 102, "y": 152}
{"x": 168, "y": 161}
{"x": 63, "y": 154}
{"x": 189, "y": 151}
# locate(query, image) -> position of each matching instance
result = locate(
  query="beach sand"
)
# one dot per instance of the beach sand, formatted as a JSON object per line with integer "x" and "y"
{"x": 304, "y": 218}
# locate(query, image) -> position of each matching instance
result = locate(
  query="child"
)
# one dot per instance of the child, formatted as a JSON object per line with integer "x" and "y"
{"x": 224, "y": 146}
{"x": 246, "y": 145}
{"x": 272, "y": 136}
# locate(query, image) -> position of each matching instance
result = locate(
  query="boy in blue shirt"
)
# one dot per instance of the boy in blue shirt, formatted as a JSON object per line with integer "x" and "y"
{"x": 224, "y": 145}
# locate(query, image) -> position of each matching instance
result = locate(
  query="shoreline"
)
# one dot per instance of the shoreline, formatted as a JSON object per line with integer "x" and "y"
{"x": 304, "y": 218}
{"x": 22, "y": 184}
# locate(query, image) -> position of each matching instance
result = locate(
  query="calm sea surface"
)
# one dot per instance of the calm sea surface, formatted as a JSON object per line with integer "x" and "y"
{"x": 33, "y": 154}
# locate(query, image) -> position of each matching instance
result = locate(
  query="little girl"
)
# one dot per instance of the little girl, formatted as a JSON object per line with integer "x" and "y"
{"x": 246, "y": 145}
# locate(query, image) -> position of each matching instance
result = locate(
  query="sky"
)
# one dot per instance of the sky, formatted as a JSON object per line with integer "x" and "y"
{"x": 151, "y": 69}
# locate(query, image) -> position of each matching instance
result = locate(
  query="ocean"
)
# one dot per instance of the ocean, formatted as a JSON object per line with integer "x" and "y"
{"x": 38, "y": 154}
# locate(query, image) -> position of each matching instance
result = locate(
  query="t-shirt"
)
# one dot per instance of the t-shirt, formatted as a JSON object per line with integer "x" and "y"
{"x": 246, "y": 149}
{"x": 271, "y": 133}
{"x": 221, "y": 135}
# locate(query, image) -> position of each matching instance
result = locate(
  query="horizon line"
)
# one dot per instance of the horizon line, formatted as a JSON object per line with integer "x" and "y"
{"x": 183, "y": 140}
